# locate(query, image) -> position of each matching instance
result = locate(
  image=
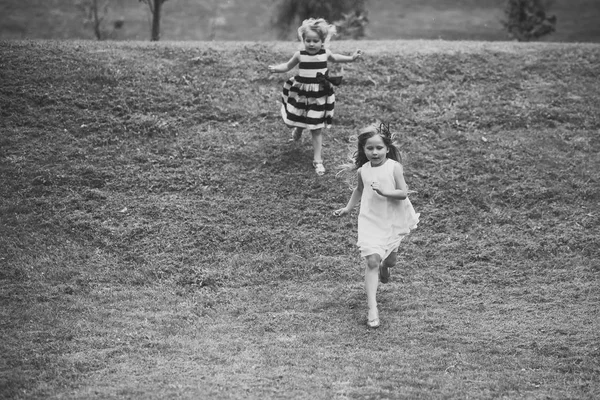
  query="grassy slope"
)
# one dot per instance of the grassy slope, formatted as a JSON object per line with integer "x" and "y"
{"x": 249, "y": 20}
{"x": 160, "y": 238}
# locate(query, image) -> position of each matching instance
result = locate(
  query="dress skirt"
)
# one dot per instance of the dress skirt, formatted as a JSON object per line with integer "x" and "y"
{"x": 382, "y": 222}
{"x": 307, "y": 103}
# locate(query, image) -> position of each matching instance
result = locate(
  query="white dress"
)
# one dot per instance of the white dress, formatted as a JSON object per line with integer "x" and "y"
{"x": 382, "y": 222}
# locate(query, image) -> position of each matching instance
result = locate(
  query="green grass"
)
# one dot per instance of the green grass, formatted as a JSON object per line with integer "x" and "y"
{"x": 250, "y": 20}
{"x": 160, "y": 238}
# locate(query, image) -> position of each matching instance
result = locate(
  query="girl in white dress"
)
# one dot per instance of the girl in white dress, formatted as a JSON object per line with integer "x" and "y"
{"x": 386, "y": 214}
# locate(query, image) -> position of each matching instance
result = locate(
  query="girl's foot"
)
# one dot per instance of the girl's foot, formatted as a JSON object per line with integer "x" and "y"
{"x": 319, "y": 168}
{"x": 373, "y": 319}
{"x": 296, "y": 134}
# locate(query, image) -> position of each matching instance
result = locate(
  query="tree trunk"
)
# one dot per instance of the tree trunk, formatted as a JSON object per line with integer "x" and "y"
{"x": 96, "y": 21}
{"x": 156, "y": 20}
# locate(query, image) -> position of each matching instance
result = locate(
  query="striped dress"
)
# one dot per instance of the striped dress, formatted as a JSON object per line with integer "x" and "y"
{"x": 307, "y": 102}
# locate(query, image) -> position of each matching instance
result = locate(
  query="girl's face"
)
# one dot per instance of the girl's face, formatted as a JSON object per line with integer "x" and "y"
{"x": 376, "y": 150}
{"x": 312, "y": 42}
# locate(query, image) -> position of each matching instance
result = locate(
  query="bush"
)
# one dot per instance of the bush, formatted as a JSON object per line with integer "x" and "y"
{"x": 526, "y": 19}
{"x": 290, "y": 12}
{"x": 352, "y": 25}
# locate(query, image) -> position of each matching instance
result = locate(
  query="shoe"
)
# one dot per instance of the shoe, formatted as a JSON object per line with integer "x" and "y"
{"x": 319, "y": 168}
{"x": 384, "y": 274}
{"x": 296, "y": 135}
{"x": 373, "y": 323}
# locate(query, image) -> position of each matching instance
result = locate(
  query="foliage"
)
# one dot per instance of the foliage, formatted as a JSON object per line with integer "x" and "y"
{"x": 161, "y": 239}
{"x": 290, "y": 13}
{"x": 352, "y": 25}
{"x": 527, "y": 20}
{"x": 248, "y": 20}
{"x": 95, "y": 14}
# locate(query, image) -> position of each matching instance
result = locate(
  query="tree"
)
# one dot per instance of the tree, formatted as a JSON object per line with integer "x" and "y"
{"x": 155, "y": 7}
{"x": 345, "y": 13}
{"x": 526, "y": 19}
{"x": 95, "y": 12}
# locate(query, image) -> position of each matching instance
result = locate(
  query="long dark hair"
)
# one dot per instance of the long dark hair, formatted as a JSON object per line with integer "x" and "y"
{"x": 378, "y": 128}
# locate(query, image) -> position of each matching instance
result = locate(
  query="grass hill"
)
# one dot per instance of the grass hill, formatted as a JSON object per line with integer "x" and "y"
{"x": 160, "y": 238}
{"x": 249, "y": 20}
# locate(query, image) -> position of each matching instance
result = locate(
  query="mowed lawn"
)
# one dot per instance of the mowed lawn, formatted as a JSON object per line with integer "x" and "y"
{"x": 160, "y": 238}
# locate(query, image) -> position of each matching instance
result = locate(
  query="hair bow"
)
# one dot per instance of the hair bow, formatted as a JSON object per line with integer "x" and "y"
{"x": 384, "y": 129}
{"x": 327, "y": 80}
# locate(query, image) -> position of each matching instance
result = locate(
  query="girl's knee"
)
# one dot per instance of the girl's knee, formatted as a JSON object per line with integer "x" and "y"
{"x": 373, "y": 262}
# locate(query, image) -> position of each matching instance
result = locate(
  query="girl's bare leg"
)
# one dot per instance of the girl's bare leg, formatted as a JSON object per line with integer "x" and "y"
{"x": 371, "y": 283}
{"x": 317, "y": 142}
{"x": 388, "y": 263}
{"x": 296, "y": 134}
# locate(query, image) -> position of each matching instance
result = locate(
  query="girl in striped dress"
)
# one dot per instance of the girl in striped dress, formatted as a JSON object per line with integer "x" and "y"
{"x": 308, "y": 99}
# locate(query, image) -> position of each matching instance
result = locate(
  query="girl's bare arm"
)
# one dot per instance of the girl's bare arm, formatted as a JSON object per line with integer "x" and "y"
{"x": 354, "y": 199}
{"x": 340, "y": 58}
{"x": 285, "y": 67}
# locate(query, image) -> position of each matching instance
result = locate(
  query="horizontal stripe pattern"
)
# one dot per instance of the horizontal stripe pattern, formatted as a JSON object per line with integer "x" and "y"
{"x": 306, "y": 103}
{"x": 311, "y": 65}
{"x": 308, "y": 108}
{"x": 306, "y": 122}
{"x": 299, "y": 91}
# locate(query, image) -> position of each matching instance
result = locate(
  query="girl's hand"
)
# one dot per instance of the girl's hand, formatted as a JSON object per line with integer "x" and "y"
{"x": 271, "y": 68}
{"x": 340, "y": 212}
{"x": 376, "y": 188}
{"x": 356, "y": 54}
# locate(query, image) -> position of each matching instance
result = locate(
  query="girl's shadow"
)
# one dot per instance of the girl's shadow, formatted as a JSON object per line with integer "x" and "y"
{"x": 289, "y": 157}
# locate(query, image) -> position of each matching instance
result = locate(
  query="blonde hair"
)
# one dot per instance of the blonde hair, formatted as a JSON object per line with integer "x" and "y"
{"x": 324, "y": 29}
